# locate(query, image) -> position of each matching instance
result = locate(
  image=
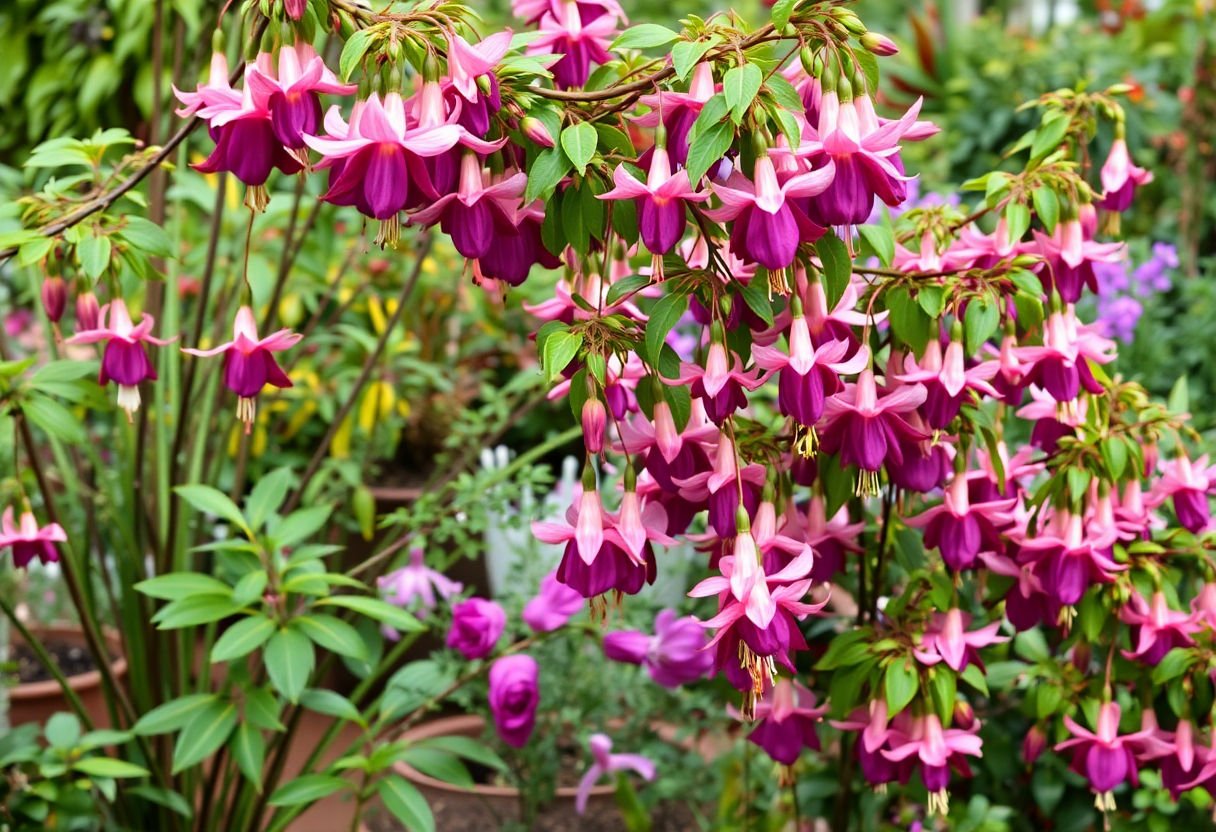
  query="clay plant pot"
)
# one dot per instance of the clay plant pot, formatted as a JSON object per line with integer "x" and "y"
{"x": 488, "y": 807}
{"x": 37, "y": 701}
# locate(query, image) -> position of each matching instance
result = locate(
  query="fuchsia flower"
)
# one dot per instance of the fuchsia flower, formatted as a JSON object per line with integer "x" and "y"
{"x": 125, "y": 359}
{"x": 467, "y": 65}
{"x": 416, "y": 582}
{"x": 28, "y": 540}
{"x": 1067, "y": 558}
{"x": 720, "y": 384}
{"x": 675, "y": 655}
{"x": 249, "y": 363}
{"x": 1183, "y": 762}
{"x": 830, "y": 538}
{"x": 947, "y": 640}
{"x": 292, "y": 94}
{"x": 514, "y": 696}
{"x": 605, "y": 762}
{"x": 678, "y": 111}
{"x": 477, "y": 624}
{"x": 554, "y": 605}
{"x": 866, "y": 429}
{"x": 376, "y": 161}
{"x": 517, "y": 247}
{"x": 88, "y": 313}
{"x": 937, "y": 749}
{"x": 786, "y": 717}
{"x": 960, "y": 529}
{"x": 1120, "y": 178}
{"x": 1187, "y": 483}
{"x": 720, "y": 487}
{"x": 580, "y": 33}
{"x": 1061, "y": 365}
{"x": 766, "y": 224}
{"x": 1069, "y": 256}
{"x": 874, "y": 731}
{"x": 947, "y": 380}
{"x": 808, "y": 374}
{"x": 661, "y": 203}
{"x": 472, "y": 215}
{"x": 1103, "y": 757}
{"x": 1156, "y": 629}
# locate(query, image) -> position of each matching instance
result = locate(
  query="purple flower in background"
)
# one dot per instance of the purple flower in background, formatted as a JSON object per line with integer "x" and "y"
{"x": 416, "y": 582}
{"x": 553, "y": 606}
{"x": 1103, "y": 757}
{"x": 477, "y": 625}
{"x": 605, "y": 762}
{"x": 513, "y": 697}
{"x": 787, "y": 717}
{"x": 29, "y": 540}
{"x": 675, "y": 655}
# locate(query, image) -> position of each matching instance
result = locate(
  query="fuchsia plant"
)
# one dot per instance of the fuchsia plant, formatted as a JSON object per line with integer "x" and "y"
{"x": 891, "y": 434}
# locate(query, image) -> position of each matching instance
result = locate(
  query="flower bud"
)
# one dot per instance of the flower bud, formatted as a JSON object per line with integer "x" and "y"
{"x": 880, "y": 45}
{"x": 54, "y": 297}
{"x": 88, "y": 313}
{"x": 964, "y": 715}
{"x": 1033, "y": 744}
{"x": 536, "y": 131}
{"x": 849, "y": 19}
{"x": 294, "y": 8}
{"x": 595, "y": 425}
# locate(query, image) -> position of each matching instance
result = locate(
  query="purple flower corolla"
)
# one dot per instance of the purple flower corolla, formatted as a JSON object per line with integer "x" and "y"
{"x": 961, "y": 529}
{"x": 1070, "y": 256}
{"x": 581, "y": 36}
{"x": 720, "y": 384}
{"x": 553, "y": 605}
{"x": 1104, "y": 757}
{"x": 417, "y": 582}
{"x": 1155, "y": 628}
{"x": 1061, "y": 365}
{"x": 1187, "y": 483}
{"x": 292, "y": 93}
{"x": 947, "y": 379}
{"x": 477, "y": 624}
{"x": 28, "y": 540}
{"x": 467, "y": 64}
{"x": 661, "y": 203}
{"x": 473, "y": 214}
{"x": 679, "y": 110}
{"x": 936, "y": 749}
{"x": 125, "y": 358}
{"x": 514, "y": 697}
{"x": 720, "y": 487}
{"x": 604, "y": 762}
{"x": 786, "y": 718}
{"x": 948, "y": 640}
{"x": 675, "y": 655}
{"x": 1068, "y": 558}
{"x": 1120, "y": 177}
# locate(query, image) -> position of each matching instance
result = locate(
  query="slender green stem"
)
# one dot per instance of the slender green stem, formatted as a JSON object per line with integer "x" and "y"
{"x": 45, "y": 659}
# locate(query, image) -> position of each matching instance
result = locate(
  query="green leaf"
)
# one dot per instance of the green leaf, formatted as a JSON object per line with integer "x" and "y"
{"x": 61, "y": 371}
{"x": 163, "y": 797}
{"x": 267, "y": 495}
{"x": 644, "y": 36}
{"x": 331, "y": 703}
{"x": 1017, "y": 220}
{"x": 109, "y": 767}
{"x": 900, "y": 685}
{"x": 781, "y": 13}
{"x": 248, "y": 748}
{"x": 1049, "y": 135}
{"x": 195, "y": 610}
{"x": 94, "y": 254}
{"x": 468, "y": 748}
{"x": 740, "y": 86}
{"x": 685, "y": 55}
{"x": 332, "y": 633}
{"x": 54, "y": 418}
{"x": 353, "y": 50}
{"x": 560, "y": 350}
{"x": 307, "y": 789}
{"x": 1046, "y": 207}
{"x": 943, "y": 690}
{"x": 755, "y": 296}
{"x": 262, "y": 709}
{"x": 663, "y": 317}
{"x": 908, "y": 320}
{"x": 980, "y": 322}
{"x": 206, "y": 499}
{"x": 546, "y": 172}
{"x": 1031, "y": 646}
{"x": 579, "y": 142}
{"x": 438, "y": 764}
{"x": 1114, "y": 454}
{"x": 626, "y": 286}
{"x": 880, "y": 238}
{"x": 932, "y": 299}
{"x": 34, "y": 251}
{"x": 62, "y": 730}
{"x": 174, "y": 714}
{"x": 242, "y": 638}
{"x": 376, "y": 609}
{"x": 973, "y": 676}
{"x": 1179, "y": 400}
{"x": 289, "y": 658}
{"x": 146, "y": 236}
{"x": 837, "y": 267}
{"x": 869, "y": 68}
{"x": 300, "y": 525}
{"x": 250, "y": 587}
{"x": 407, "y": 804}
{"x": 845, "y": 650}
{"x": 203, "y": 735}
{"x": 1172, "y": 665}
{"x": 708, "y": 148}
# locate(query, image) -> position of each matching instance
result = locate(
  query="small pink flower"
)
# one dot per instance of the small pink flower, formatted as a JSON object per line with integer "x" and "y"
{"x": 936, "y": 749}
{"x": 553, "y": 605}
{"x": 29, "y": 540}
{"x": 604, "y": 763}
{"x": 675, "y": 655}
{"x": 514, "y": 696}
{"x": 1103, "y": 757}
{"x": 948, "y": 640}
{"x": 125, "y": 359}
{"x": 1156, "y": 629}
{"x": 786, "y": 717}
{"x": 1121, "y": 177}
{"x": 416, "y": 582}
{"x": 477, "y": 624}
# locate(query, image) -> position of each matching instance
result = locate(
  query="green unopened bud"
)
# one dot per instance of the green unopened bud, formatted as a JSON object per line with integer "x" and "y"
{"x": 631, "y": 478}
{"x": 1119, "y": 89}
{"x": 588, "y": 477}
{"x": 1026, "y": 261}
{"x": 956, "y": 330}
{"x": 717, "y": 332}
{"x": 364, "y": 505}
{"x": 848, "y": 19}
{"x": 795, "y": 305}
{"x": 217, "y": 40}
{"x": 743, "y": 523}
{"x": 430, "y": 68}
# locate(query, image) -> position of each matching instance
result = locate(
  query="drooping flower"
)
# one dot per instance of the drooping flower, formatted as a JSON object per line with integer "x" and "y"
{"x": 249, "y": 362}
{"x": 1183, "y": 762}
{"x": 472, "y": 215}
{"x": 720, "y": 487}
{"x": 514, "y": 697}
{"x": 948, "y": 640}
{"x": 416, "y": 582}
{"x": 292, "y": 93}
{"x": 678, "y": 111}
{"x": 28, "y": 540}
{"x": 1156, "y": 629}
{"x": 961, "y": 529}
{"x": 468, "y": 64}
{"x": 477, "y": 624}
{"x": 720, "y": 384}
{"x": 947, "y": 379}
{"x": 675, "y": 655}
{"x": 1068, "y": 558}
{"x": 581, "y": 34}
{"x": 604, "y": 762}
{"x": 552, "y": 606}
{"x": 1103, "y": 757}
{"x": 1061, "y": 366}
{"x": 1069, "y": 256}
{"x": 767, "y": 225}
{"x": 786, "y": 718}
{"x": 125, "y": 358}
{"x": 1121, "y": 177}
{"x": 937, "y": 749}
{"x": 1187, "y": 484}
{"x": 54, "y": 293}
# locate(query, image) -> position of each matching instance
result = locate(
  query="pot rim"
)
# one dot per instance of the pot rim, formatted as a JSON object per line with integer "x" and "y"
{"x": 465, "y": 725}
{"x": 47, "y": 688}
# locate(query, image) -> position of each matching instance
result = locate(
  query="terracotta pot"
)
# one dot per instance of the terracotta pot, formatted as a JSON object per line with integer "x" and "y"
{"x": 485, "y": 807}
{"x": 37, "y": 701}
